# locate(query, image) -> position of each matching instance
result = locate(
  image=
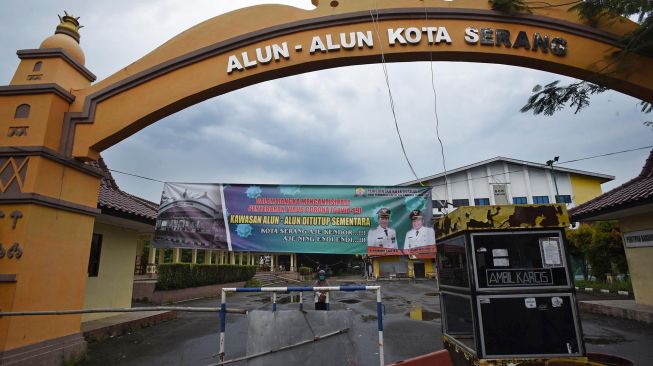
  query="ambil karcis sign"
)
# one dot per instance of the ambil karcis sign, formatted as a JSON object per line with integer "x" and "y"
{"x": 399, "y": 36}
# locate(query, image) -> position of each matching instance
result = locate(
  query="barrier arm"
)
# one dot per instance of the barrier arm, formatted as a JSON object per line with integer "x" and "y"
{"x": 300, "y": 289}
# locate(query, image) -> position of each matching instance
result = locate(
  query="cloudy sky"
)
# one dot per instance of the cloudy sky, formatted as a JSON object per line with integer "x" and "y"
{"x": 333, "y": 126}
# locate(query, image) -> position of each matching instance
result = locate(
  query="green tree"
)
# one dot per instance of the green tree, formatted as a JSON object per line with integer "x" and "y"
{"x": 601, "y": 246}
{"x": 553, "y": 97}
{"x": 580, "y": 242}
{"x": 607, "y": 237}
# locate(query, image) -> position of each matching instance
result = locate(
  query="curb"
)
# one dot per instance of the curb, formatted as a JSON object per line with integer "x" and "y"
{"x": 117, "y": 329}
{"x": 616, "y": 312}
{"x": 605, "y": 291}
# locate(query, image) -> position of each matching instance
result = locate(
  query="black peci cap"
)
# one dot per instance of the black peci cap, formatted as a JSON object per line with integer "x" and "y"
{"x": 416, "y": 214}
{"x": 384, "y": 212}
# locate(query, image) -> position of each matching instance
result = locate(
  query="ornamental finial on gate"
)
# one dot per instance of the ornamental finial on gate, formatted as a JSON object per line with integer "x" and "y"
{"x": 333, "y": 3}
{"x": 69, "y": 25}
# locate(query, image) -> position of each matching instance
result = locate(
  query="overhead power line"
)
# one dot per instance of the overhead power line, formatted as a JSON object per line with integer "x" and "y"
{"x": 435, "y": 112}
{"x": 387, "y": 82}
{"x": 136, "y": 175}
{"x": 607, "y": 154}
{"x": 544, "y": 165}
{"x": 462, "y": 180}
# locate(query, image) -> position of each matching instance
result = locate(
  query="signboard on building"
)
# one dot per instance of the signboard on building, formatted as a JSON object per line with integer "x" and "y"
{"x": 639, "y": 239}
{"x": 297, "y": 219}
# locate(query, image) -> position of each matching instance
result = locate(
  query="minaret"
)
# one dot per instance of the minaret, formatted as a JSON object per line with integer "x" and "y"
{"x": 48, "y": 203}
{"x": 44, "y": 81}
{"x": 58, "y": 60}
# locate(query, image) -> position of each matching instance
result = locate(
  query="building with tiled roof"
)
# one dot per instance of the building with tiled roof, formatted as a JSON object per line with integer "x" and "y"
{"x": 115, "y": 202}
{"x": 631, "y": 204}
{"x": 123, "y": 226}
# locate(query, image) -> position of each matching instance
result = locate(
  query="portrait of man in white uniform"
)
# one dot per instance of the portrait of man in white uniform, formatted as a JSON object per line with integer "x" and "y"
{"x": 419, "y": 235}
{"x": 382, "y": 236}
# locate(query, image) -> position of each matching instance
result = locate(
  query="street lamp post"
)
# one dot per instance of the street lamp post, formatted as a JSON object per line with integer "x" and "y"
{"x": 550, "y": 164}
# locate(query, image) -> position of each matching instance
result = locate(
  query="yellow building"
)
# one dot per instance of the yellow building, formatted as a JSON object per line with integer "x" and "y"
{"x": 118, "y": 234}
{"x": 504, "y": 181}
{"x": 496, "y": 181}
{"x": 631, "y": 204}
{"x": 403, "y": 267}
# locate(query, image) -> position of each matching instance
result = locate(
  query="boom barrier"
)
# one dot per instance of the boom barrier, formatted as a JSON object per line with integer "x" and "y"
{"x": 301, "y": 290}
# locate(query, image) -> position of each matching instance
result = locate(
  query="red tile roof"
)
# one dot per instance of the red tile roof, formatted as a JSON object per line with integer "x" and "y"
{"x": 113, "y": 201}
{"x": 636, "y": 192}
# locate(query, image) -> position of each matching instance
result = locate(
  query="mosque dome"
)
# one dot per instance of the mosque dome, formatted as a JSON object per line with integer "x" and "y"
{"x": 66, "y": 37}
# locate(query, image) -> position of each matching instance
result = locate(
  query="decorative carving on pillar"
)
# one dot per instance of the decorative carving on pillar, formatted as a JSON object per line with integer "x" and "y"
{"x": 14, "y": 251}
{"x": 17, "y": 131}
{"x": 12, "y": 173}
{"x": 16, "y": 215}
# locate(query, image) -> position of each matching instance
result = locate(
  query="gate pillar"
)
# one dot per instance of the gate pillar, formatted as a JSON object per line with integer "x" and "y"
{"x": 48, "y": 204}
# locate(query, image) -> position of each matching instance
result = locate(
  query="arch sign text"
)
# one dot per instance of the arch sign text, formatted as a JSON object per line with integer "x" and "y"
{"x": 432, "y": 35}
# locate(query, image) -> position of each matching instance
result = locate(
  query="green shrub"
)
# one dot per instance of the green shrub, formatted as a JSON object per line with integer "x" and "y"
{"x": 236, "y": 273}
{"x": 182, "y": 275}
{"x": 173, "y": 276}
{"x": 204, "y": 274}
{"x": 304, "y": 271}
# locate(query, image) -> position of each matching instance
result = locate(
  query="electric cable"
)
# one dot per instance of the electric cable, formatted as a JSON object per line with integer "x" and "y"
{"x": 464, "y": 180}
{"x": 435, "y": 112}
{"x": 387, "y": 82}
{"x": 602, "y": 155}
{"x": 392, "y": 107}
{"x": 136, "y": 175}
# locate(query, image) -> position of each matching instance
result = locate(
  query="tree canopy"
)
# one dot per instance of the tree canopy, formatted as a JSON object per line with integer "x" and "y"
{"x": 601, "y": 245}
{"x": 555, "y": 96}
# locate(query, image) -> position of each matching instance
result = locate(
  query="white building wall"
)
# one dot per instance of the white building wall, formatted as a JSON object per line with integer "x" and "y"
{"x": 520, "y": 180}
{"x": 439, "y": 190}
{"x": 480, "y": 183}
{"x": 564, "y": 183}
{"x": 458, "y": 183}
{"x": 539, "y": 183}
{"x": 497, "y": 173}
{"x": 517, "y": 181}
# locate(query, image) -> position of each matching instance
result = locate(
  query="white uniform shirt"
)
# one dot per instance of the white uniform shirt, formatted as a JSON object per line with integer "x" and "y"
{"x": 382, "y": 238}
{"x": 419, "y": 238}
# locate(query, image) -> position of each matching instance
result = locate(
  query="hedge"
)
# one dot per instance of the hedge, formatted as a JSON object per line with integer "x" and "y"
{"x": 182, "y": 275}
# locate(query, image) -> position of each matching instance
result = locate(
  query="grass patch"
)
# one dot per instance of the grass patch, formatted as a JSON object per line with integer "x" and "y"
{"x": 253, "y": 282}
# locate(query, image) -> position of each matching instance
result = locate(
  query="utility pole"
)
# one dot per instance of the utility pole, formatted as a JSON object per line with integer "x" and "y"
{"x": 550, "y": 164}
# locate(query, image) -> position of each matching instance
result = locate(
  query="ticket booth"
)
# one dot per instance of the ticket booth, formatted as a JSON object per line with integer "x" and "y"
{"x": 506, "y": 291}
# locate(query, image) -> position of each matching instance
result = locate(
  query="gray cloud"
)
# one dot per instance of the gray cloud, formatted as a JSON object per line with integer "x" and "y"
{"x": 332, "y": 126}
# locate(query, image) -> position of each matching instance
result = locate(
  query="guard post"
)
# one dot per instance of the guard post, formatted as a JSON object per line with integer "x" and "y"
{"x": 506, "y": 290}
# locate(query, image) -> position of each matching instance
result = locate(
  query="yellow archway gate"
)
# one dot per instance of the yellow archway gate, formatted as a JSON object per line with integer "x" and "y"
{"x": 54, "y": 119}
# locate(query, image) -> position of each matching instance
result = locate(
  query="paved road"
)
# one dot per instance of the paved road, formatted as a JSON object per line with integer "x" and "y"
{"x": 192, "y": 339}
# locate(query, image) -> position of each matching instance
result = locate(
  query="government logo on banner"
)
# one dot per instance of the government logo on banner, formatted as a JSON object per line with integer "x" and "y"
{"x": 297, "y": 219}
